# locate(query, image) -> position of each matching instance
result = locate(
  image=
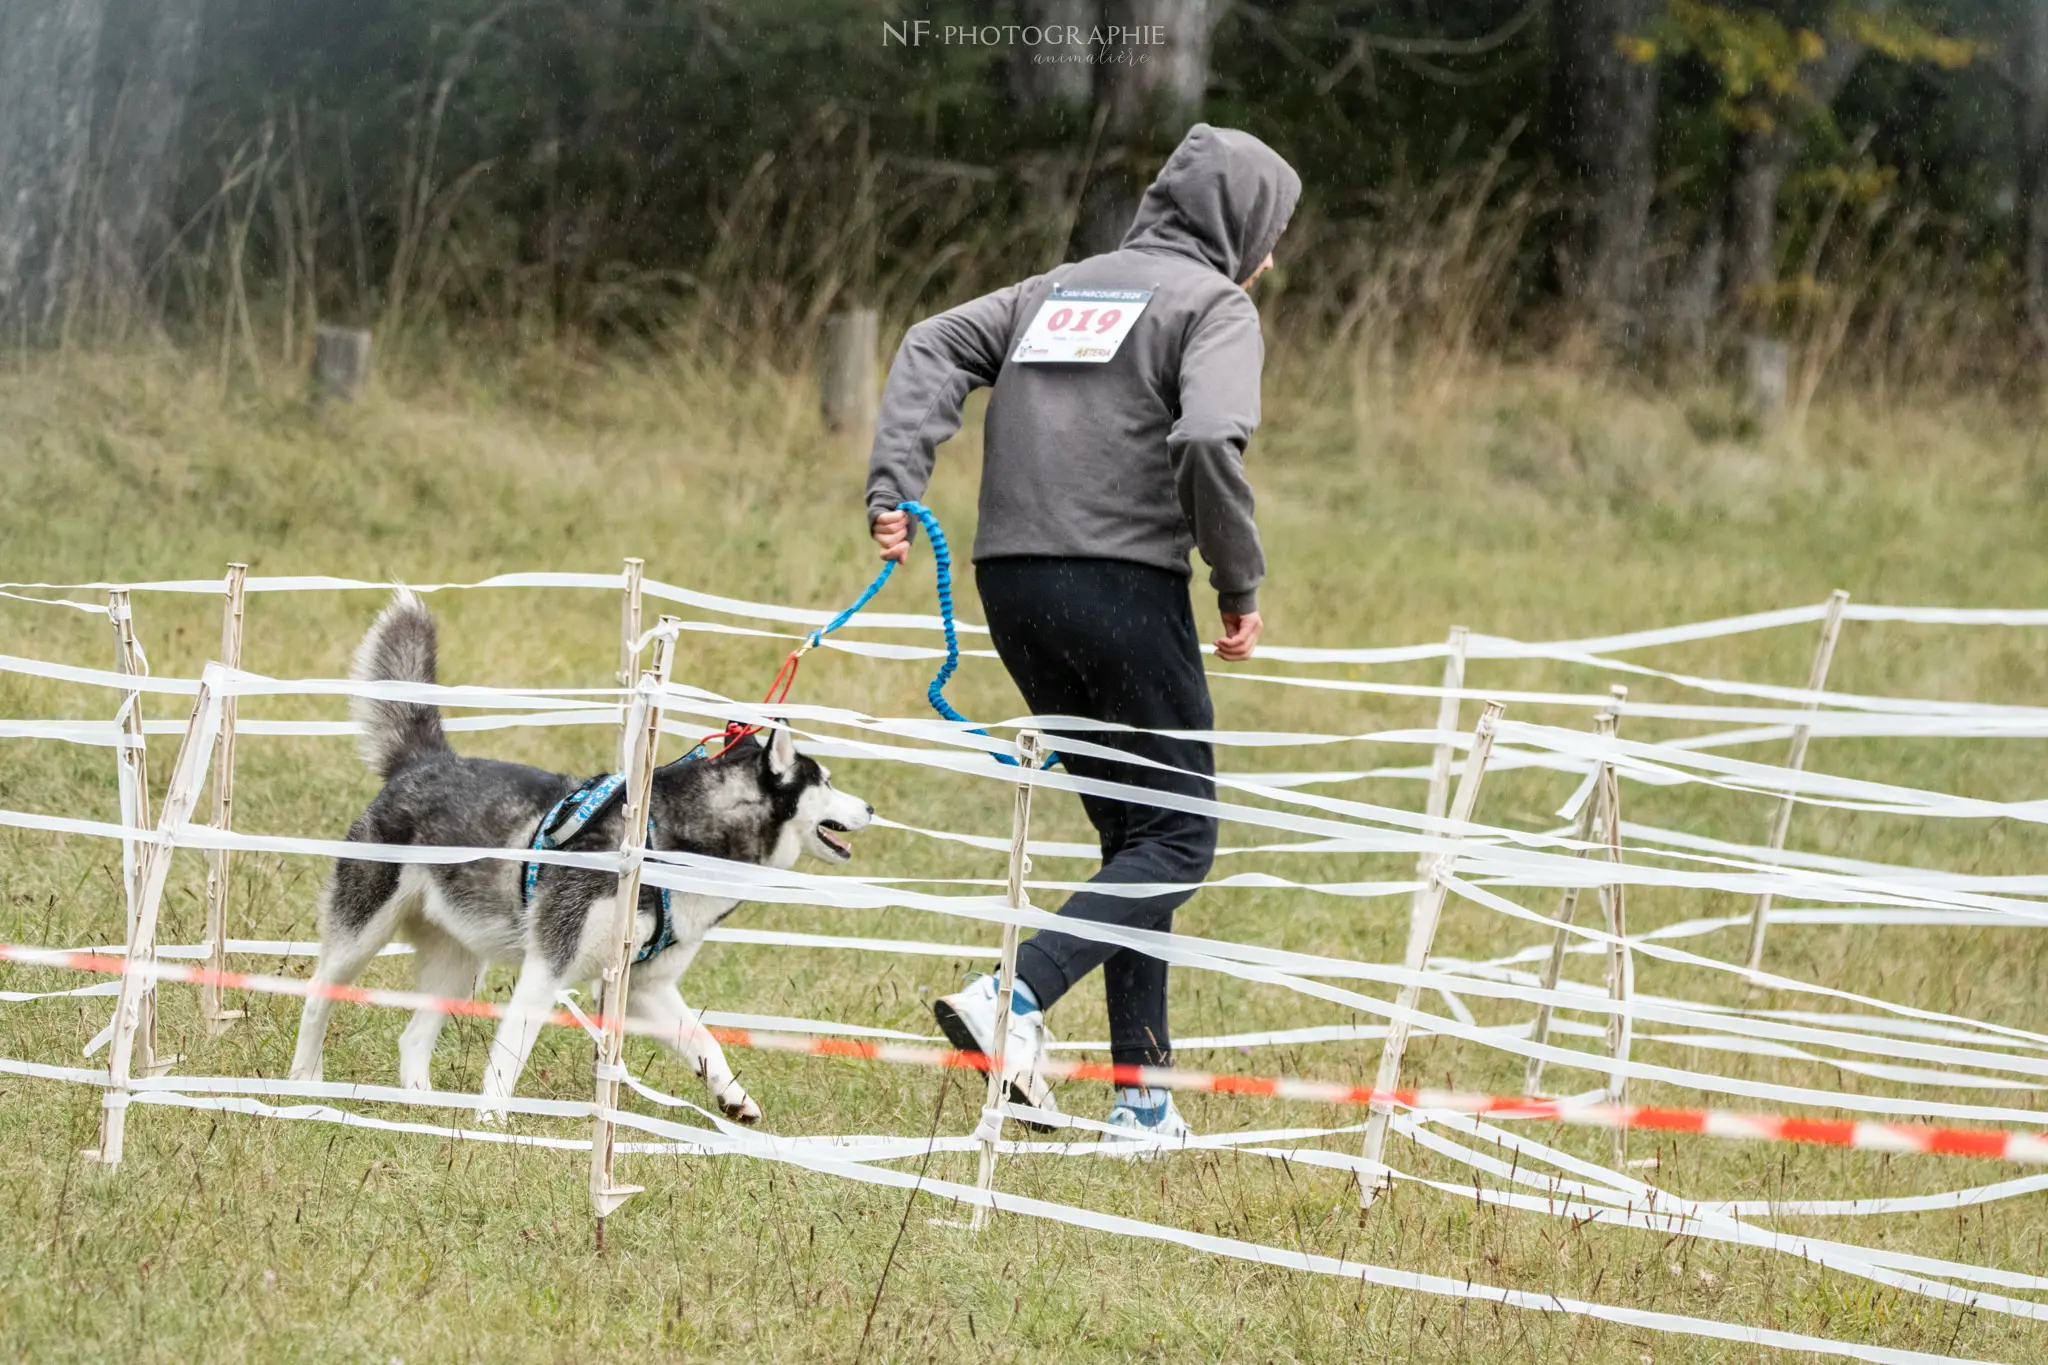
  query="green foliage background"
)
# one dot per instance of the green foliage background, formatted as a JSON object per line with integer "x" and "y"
{"x": 591, "y": 162}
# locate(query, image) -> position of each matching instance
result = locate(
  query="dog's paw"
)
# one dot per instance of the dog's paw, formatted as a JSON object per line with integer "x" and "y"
{"x": 746, "y": 1111}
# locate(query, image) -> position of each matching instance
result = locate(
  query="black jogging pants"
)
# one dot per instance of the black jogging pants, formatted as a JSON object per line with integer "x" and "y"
{"x": 1113, "y": 641}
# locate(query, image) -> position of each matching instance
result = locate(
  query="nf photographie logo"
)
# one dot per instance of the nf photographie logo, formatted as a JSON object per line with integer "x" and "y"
{"x": 923, "y": 33}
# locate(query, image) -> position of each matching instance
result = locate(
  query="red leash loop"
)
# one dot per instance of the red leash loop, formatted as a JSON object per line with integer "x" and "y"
{"x": 778, "y": 692}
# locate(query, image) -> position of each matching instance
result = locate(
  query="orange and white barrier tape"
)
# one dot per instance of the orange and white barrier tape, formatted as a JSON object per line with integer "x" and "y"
{"x": 1995, "y": 1144}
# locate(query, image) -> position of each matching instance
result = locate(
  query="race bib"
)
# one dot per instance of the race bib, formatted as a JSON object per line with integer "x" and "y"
{"x": 1080, "y": 326}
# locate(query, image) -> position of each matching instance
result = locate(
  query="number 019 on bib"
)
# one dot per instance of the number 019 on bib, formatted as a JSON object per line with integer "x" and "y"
{"x": 1080, "y": 326}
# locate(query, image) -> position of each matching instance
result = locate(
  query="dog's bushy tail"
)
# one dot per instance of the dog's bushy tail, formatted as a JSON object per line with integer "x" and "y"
{"x": 399, "y": 648}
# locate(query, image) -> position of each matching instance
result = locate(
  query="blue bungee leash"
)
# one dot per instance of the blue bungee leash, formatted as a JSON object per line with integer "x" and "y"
{"x": 568, "y": 817}
{"x": 942, "y": 558}
{"x": 785, "y": 677}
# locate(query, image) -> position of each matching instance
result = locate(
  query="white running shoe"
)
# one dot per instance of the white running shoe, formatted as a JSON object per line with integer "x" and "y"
{"x": 1149, "y": 1130}
{"x": 968, "y": 1019}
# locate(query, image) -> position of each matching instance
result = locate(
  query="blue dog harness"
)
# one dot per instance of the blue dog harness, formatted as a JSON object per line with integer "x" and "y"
{"x": 567, "y": 819}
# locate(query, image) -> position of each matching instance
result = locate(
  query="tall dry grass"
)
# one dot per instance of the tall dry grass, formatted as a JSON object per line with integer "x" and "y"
{"x": 1421, "y": 277}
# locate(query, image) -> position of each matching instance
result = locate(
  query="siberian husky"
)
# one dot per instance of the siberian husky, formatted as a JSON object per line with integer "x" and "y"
{"x": 760, "y": 802}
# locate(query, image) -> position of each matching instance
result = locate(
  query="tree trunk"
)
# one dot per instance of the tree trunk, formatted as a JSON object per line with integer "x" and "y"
{"x": 1053, "y": 85}
{"x": 1759, "y": 156}
{"x": 598, "y": 169}
{"x": 1046, "y": 86}
{"x": 48, "y": 49}
{"x": 2030, "y": 69}
{"x": 1148, "y": 104}
{"x": 1757, "y": 160}
{"x": 1696, "y": 298}
{"x": 1604, "y": 106}
{"x": 149, "y": 61}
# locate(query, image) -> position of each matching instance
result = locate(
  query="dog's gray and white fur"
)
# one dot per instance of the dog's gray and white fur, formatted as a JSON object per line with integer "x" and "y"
{"x": 759, "y": 802}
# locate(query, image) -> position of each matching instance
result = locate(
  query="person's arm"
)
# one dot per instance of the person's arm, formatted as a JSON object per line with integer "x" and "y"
{"x": 1219, "y": 411}
{"x": 941, "y": 361}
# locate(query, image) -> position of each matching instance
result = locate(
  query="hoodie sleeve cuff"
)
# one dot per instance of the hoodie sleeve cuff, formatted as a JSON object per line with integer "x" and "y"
{"x": 1238, "y": 603}
{"x": 888, "y": 502}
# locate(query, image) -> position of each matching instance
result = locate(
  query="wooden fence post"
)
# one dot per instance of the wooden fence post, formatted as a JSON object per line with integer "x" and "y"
{"x": 1585, "y": 830}
{"x": 133, "y": 773}
{"x": 643, "y": 740}
{"x": 846, "y": 372}
{"x": 1030, "y": 754}
{"x": 212, "y": 1013}
{"x": 1816, "y": 680}
{"x": 629, "y": 647}
{"x": 341, "y": 362}
{"x": 133, "y": 756}
{"x": 1621, "y": 965}
{"x": 629, "y": 623}
{"x": 1436, "y": 884}
{"x": 1766, "y": 377}
{"x": 188, "y": 775}
{"x": 1440, "y": 775}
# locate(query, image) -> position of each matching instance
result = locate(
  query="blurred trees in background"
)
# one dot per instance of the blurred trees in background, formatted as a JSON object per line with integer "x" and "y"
{"x": 1646, "y": 181}
{"x": 1603, "y": 116}
{"x": 47, "y": 50}
{"x": 2029, "y": 79}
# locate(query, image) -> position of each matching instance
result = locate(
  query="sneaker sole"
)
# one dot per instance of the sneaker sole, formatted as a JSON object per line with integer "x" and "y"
{"x": 960, "y": 1036}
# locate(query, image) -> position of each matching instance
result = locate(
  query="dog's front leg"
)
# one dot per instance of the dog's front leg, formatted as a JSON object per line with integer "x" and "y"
{"x": 533, "y": 1000}
{"x": 660, "y": 1006}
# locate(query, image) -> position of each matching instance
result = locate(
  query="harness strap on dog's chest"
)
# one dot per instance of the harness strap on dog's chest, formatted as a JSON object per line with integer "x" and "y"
{"x": 566, "y": 819}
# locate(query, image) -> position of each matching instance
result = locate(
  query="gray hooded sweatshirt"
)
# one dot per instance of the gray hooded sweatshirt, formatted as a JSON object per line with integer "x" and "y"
{"x": 1139, "y": 458}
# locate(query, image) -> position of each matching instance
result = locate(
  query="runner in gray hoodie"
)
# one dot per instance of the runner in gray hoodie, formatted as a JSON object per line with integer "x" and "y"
{"x": 1125, "y": 389}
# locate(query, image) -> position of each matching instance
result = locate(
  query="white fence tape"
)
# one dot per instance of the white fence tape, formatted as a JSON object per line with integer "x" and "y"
{"x": 1888, "y": 1042}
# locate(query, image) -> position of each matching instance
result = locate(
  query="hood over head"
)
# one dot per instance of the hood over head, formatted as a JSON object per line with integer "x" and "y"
{"x": 1223, "y": 197}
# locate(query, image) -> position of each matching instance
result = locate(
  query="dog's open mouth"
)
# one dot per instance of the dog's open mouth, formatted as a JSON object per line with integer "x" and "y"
{"x": 831, "y": 831}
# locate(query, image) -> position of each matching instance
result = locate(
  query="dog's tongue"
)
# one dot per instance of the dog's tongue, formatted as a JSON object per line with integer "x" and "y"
{"x": 833, "y": 839}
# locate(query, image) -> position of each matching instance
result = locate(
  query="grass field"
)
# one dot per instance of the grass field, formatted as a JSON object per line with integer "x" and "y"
{"x": 1522, "y": 502}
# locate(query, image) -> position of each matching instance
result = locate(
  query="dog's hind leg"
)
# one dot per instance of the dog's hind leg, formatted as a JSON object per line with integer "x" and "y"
{"x": 359, "y": 911}
{"x": 533, "y": 999}
{"x": 660, "y": 1006}
{"x": 449, "y": 970}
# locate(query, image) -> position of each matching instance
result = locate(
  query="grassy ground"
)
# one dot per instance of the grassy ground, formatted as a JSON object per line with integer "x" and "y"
{"x": 1523, "y": 503}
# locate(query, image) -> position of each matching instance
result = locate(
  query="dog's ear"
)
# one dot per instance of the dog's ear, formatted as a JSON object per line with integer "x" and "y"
{"x": 781, "y": 751}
